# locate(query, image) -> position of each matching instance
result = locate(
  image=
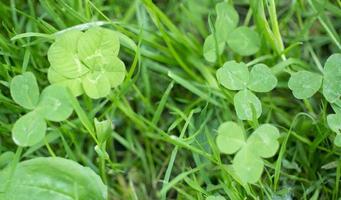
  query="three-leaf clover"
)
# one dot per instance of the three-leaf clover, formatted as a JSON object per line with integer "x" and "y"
{"x": 248, "y": 162}
{"x": 242, "y": 40}
{"x": 236, "y": 76}
{"x": 86, "y": 62}
{"x": 52, "y": 104}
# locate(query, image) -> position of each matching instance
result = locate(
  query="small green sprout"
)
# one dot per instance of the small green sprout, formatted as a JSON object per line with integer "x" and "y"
{"x": 51, "y": 178}
{"x": 86, "y": 62}
{"x": 242, "y": 40}
{"x": 248, "y": 163}
{"x": 236, "y": 76}
{"x": 52, "y": 104}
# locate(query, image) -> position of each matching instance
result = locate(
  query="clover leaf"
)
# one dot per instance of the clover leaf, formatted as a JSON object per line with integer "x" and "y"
{"x": 337, "y": 140}
{"x": 236, "y": 76}
{"x": 52, "y": 104}
{"x": 334, "y": 123}
{"x": 29, "y": 129}
{"x": 227, "y": 20}
{"x": 246, "y": 103}
{"x": 304, "y": 84}
{"x": 261, "y": 79}
{"x": 88, "y": 64}
{"x": 244, "y": 41}
{"x": 233, "y": 75}
{"x": 332, "y": 78}
{"x": 247, "y": 163}
{"x": 24, "y": 90}
{"x": 211, "y": 45}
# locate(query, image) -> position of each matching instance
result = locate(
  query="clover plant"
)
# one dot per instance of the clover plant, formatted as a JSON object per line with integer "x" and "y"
{"x": 236, "y": 76}
{"x": 242, "y": 40}
{"x": 86, "y": 62}
{"x": 248, "y": 162}
{"x": 52, "y": 105}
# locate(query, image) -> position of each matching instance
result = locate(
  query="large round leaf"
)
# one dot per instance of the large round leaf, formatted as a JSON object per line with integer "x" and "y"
{"x": 244, "y": 41}
{"x": 227, "y": 20}
{"x": 230, "y": 137}
{"x": 248, "y": 167}
{"x": 233, "y": 75}
{"x": 246, "y": 103}
{"x": 211, "y": 45}
{"x": 332, "y": 78}
{"x": 63, "y": 55}
{"x": 304, "y": 84}
{"x": 97, "y": 44}
{"x": 54, "y": 103}
{"x": 51, "y": 179}
{"x": 75, "y": 84}
{"x": 115, "y": 71}
{"x": 29, "y": 129}
{"x": 261, "y": 79}
{"x": 96, "y": 85}
{"x": 263, "y": 141}
{"x": 24, "y": 90}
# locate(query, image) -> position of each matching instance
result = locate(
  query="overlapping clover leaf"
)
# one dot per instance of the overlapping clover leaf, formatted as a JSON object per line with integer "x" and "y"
{"x": 248, "y": 162}
{"x": 52, "y": 104}
{"x": 86, "y": 62}
{"x": 236, "y": 76}
{"x": 242, "y": 40}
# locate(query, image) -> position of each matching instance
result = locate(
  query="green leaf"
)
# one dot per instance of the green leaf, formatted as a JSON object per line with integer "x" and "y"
{"x": 103, "y": 129}
{"x": 244, "y": 41}
{"x": 248, "y": 167}
{"x": 261, "y": 79}
{"x": 216, "y": 197}
{"x": 263, "y": 141}
{"x": 244, "y": 100}
{"x": 97, "y": 44}
{"x": 230, "y": 137}
{"x": 75, "y": 85}
{"x": 29, "y": 129}
{"x": 115, "y": 71}
{"x": 210, "y": 48}
{"x": 63, "y": 55}
{"x": 304, "y": 84}
{"x": 337, "y": 140}
{"x": 96, "y": 85}
{"x": 53, "y": 179}
{"x": 24, "y": 90}
{"x": 227, "y": 20}
{"x": 233, "y": 75}
{"x": 332, "y": 78}
{"x": 334, "y": 122}
{"x": 54, "y": 104}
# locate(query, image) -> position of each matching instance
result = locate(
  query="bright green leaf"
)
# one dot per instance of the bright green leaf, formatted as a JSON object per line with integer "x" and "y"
{"x": 230, "y": 137}
{"x": 261, "y": 79}
{"x": 96, "y": 85}
{"x": 54, "y": 104}
{"x": 248, "y": 167}
{"x": 75, "y": 85}
{"x": 263, "y": 141}
{"x": 29, "y": 129}
{"x": 337, "y": 140}
{"x": 233, "y": 75}
{"x": 210, "y": 48}
{"x": 97, "y": 44}
{"x": 24, "y": 90}
{"x": 216, "y": 197}
{"x": 227, "y": 20}
{"x": 244, "y": 41}
{"x": 53, "y": 179}
{"x": 332, "y": 78}
{"x": 334, "y": 122}
{"x": 115, "y": 71}
{"x": 244, "y": 103}
{"x": 63, "y": 55}
{"x": 304, "y": 84}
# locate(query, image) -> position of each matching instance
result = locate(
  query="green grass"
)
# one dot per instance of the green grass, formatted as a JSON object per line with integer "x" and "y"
{"x": 167, "y": 111}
